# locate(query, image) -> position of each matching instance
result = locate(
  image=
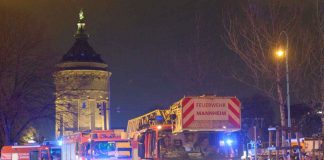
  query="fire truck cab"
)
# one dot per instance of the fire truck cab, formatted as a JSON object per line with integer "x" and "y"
{"x": 34, "y": 152}
{"x": 97, "y": 144}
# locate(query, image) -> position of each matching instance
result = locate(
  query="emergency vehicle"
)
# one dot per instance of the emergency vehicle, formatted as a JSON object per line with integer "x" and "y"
{"x": 186, "y": 129}
{"x": 97, "y": 144}
{"x": 33, "y": 152}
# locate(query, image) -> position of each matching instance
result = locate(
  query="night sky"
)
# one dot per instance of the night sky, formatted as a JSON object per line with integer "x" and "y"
{"x": 150, "y": 47}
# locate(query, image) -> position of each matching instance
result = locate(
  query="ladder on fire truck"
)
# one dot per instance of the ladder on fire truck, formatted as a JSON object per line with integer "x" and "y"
{"x": 156, "y": 117}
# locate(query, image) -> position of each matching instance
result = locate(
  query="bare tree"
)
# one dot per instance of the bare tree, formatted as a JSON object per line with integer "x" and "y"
{"x": 253, "y": 33}
{"x": 24, "y": 87}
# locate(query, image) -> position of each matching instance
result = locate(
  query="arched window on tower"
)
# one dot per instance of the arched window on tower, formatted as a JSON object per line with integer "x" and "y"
{"x": 84, "y": 104}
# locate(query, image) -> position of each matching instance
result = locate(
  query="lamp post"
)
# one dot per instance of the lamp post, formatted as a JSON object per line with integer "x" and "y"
{"x": 281, "y": 53}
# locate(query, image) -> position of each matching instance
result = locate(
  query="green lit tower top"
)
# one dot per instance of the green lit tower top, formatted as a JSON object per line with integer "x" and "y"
{"x": 81, "y": 26}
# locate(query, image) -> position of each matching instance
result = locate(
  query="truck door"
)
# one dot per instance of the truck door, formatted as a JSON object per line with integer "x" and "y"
{"x": 33, "y": 155}
{"x": 44, "y": 155}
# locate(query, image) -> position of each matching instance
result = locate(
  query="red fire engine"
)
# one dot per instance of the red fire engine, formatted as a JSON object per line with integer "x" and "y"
{"x": 34, "y": 152}
{"x": 188, "y": 130}
{"x": 97, "y": 144}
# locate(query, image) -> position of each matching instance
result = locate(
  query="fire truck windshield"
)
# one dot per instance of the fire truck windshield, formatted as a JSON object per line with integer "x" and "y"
{"x": 104, "y": 149}
{"x": 55, "y": 153}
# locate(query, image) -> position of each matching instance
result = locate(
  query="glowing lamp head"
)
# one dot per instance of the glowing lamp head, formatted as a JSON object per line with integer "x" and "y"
{"x": 159, "y": 127}
{"x": 280, "y": 53}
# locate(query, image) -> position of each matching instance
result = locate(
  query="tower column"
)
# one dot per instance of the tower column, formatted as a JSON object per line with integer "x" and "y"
{"x": 82, "y": 82}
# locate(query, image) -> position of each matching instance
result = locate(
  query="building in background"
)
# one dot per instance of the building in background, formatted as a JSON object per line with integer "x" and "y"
{"x": 82, "y": 87}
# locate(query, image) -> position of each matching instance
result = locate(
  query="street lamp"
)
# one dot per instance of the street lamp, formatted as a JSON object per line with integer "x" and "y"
{"x": 281, "y": 53}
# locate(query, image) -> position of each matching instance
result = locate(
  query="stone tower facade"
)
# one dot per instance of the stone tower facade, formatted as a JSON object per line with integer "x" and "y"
{"x": 82, "y": 87}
